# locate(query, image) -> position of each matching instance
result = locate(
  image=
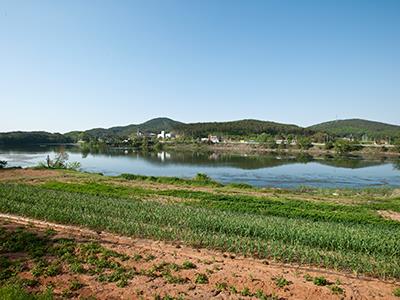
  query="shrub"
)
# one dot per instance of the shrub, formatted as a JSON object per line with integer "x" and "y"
{"x": 329, "y": 145}
{"x": 267, "y": 141}
{"x": 308, "y": 277}
{"x": 343, "y": 146}
{"x": 320, "y": 281}
{"x": 75, "y": 285}
{"x": 281, "y": 281}
{"x": 336, "y": 289}
{"x": 240, "y": 186}
{"x": 201, "y": 278}
{"x": 16, "y": 292}
{"x": 397, "y": 145}
{"x": 3, "y": 164}
{"x": 246, "y": 292}
{"x": 188, "y": 265}
{"x": 396, "y": 292}
{"x": 60, "y": 161}
{"x": 304, "y": 143}
{"x": 221, "y": 286}
{"x": 202, "y": 177}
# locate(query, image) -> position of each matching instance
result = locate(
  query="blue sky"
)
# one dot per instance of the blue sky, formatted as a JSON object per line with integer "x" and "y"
{"x": 67, "y": 65}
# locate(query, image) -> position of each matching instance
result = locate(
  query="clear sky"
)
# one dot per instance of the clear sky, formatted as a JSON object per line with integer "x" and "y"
{"x": 67, "y": 65}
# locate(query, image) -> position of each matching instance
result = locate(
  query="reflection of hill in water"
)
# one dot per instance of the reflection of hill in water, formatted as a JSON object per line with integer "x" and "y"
{"x": 253, "y": 161}
{"x": 210, "y": 159}
{"x": 39, "y": 148}
{"x": 236, "y": 161}
{"x": 354, "y": 163}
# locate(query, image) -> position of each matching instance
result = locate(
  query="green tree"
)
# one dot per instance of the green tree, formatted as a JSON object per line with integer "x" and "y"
{"x": 290, "y": 138}
{"x": 60, "y": 161}
{"x": 158, "y": 146}
{"x": 266, "y": 140}
{"x": 145, "y": 144}
{"x": 344, "y": 147}
{"x": 3, "y": 164}
{"x": 304, "y": 143}
{"x": 329, "y": 145}
{"x": 320, "y": 137}
{"x": 83, "y": 136}
{"x": 397, "y": 145}
{"x": 137, "y": 142}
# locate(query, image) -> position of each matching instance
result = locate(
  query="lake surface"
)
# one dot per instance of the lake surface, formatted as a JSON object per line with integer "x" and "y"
{"x": 267, "y": 170}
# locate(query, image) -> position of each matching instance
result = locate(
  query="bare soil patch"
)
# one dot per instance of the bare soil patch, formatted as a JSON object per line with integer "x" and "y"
{"x": 24, "y": 174}
{"x": 396, "y": 193}
{"x": 390, "y": 215}
{"x": 213, "y": 275}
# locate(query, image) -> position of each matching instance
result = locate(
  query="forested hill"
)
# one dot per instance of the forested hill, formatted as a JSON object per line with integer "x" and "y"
{"x": 242, "y": 128}
{"x": 239, "y": 128}
{"x": 357, "y": 128}
{"x": 233, "y": 128}
{"x": 153, "y": 125}
{"x": 32, "y": 137}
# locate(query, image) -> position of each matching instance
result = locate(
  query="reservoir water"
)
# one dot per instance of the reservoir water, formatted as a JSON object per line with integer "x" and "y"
{"x": 263, "y": 170}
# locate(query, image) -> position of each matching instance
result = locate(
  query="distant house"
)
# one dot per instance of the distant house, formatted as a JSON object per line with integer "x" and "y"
{"x": 164, "y": 135}
{"x": 213, "y": 139}
{"x": 381, "y": 142}
{"x": 286, "y": 142}
{"x": 349, "y": 139}
{"x": 161, "y": 135}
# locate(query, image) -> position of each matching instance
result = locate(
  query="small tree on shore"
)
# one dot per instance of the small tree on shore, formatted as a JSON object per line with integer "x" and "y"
{"x": 397, "y": 145}
{"x": 304, "y": 143}
{"x": 267, "y": 141}
{"x": 60, "y": 161}
{"x": 329, "y": 145}
{"x": 3, "y": 164}
{"x": 343, "y": 147}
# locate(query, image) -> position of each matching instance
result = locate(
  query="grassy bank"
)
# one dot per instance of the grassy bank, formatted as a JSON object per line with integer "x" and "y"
{"x": 282, "y": 226}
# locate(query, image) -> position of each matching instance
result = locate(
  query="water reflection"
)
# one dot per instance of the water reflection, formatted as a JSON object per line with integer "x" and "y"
{"x": 270, "y": 169}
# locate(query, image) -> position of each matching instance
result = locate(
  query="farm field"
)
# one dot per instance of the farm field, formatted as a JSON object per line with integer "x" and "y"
{"x": 204, "y": 239}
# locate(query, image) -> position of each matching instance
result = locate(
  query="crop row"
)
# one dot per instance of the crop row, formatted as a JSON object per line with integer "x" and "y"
{"x": 363, "y": 248}
{"x": 278, "y": 206}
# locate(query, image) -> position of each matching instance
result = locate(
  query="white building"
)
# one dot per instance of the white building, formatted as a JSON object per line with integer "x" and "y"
{"x": 161, "y": 135}
{"x": 213, "y": 139}
{"x": 164, "y": 135}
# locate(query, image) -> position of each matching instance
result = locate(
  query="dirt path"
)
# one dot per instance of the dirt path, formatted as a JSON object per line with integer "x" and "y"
{"x": 229, "y": 276}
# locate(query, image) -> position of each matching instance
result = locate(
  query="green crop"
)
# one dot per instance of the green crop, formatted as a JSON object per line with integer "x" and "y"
{"x": 346, "y": 237}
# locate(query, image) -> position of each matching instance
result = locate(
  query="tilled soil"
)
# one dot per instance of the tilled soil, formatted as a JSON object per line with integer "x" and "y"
{"x": 213, "y": 275}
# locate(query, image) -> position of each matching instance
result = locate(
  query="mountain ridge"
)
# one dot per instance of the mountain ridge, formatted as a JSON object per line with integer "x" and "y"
{"x": 355, "y": 127}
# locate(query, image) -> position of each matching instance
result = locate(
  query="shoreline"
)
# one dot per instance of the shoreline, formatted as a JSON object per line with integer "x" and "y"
{"x": 257, "y": 149}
